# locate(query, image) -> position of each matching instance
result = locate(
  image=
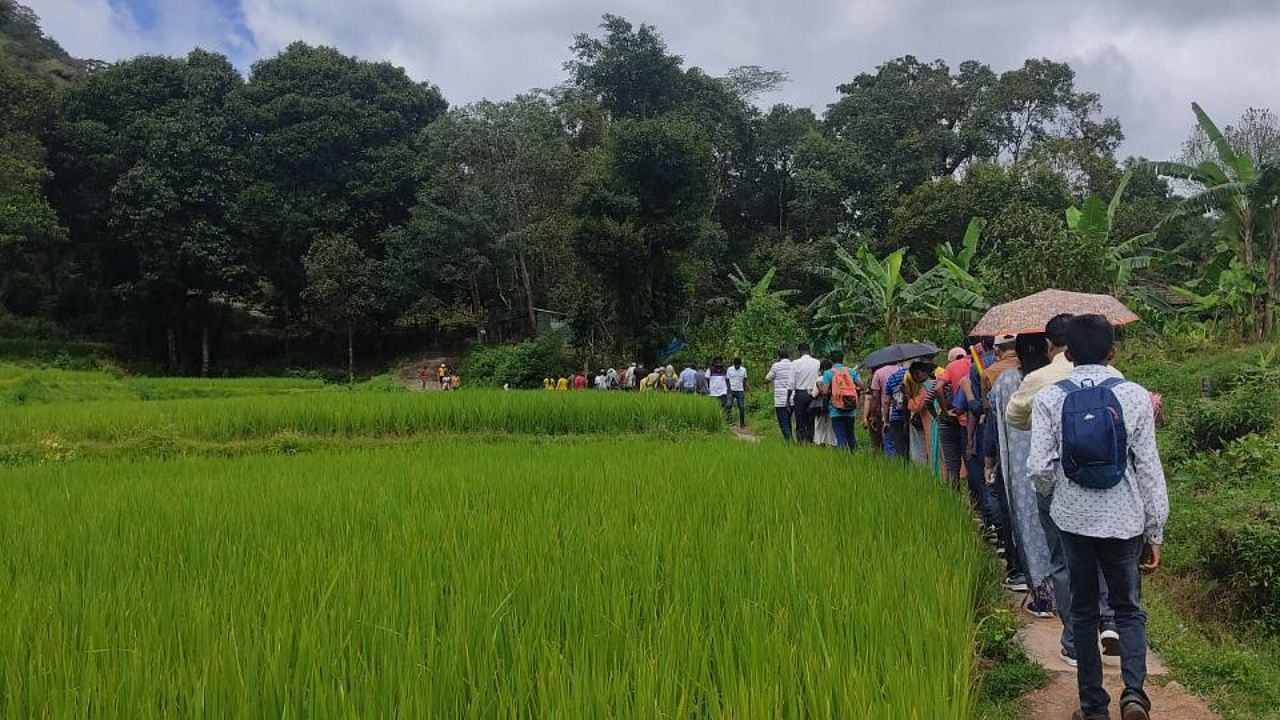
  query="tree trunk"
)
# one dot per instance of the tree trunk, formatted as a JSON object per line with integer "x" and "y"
{"x": 1273, "y": 283}
{"x": 528, "y": 294}
{"x": 204, "y": 349}
{"x": 173, "y": 350}
{"x": 475, "y": 304}
{"x": 351, "y": 353}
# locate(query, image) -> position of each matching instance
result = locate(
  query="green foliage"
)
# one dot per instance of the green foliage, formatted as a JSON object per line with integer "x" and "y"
{"x": 1213, "y": 424}
{"x": 523, "y": 365}
{"x": 562, "y": 570}
{"x": 1029, "y": 250}
{"x": 872, "y": 295}
{"x": 759, "y": 329}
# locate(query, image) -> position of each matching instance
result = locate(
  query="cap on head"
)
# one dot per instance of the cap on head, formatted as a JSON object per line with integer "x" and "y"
{"x": 1006, "y": 339}
{"x": 955, "y": 353}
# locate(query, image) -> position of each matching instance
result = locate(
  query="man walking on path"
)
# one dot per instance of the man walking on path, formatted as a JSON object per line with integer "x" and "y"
{"x": 1111, "y": 507}
{"x": 779, "y": 376}
{"x": 688, "y": 379}
{"x": 737, "y": 375}
{"x": 1018, "y": 415}
{"x": 804, "y": 388}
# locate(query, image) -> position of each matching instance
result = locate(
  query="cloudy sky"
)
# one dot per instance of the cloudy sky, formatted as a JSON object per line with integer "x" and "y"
{"x": 1148, "y": 58}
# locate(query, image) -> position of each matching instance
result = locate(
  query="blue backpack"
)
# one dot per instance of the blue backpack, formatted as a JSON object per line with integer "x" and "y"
{"x": 1095, "y": 442}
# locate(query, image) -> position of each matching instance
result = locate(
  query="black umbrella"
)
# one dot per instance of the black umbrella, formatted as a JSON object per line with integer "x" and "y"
{"x": 899, "y": 352}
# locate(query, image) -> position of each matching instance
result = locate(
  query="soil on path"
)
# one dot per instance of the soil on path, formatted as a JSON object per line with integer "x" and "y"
{"x": 408, "y": 374}
{"x": 1059, "y": 699}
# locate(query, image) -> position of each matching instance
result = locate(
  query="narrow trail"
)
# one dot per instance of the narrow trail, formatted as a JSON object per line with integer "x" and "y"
{"x": 1059, "y": 699}
{"x": 744, "y": 434}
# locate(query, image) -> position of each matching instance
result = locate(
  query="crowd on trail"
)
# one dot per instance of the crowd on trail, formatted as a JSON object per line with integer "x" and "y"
{"x": 726, "y": 384}
{"x": 1056, "y": 452}
{"x": 446, "y": 377}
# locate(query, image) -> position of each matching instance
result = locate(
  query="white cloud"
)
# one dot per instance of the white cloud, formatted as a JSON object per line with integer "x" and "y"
{"x": 1149, "y": 60}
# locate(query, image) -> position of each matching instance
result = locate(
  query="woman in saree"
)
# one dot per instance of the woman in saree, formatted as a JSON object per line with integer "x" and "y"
{"x": 919, "y": 389}
{"x": 1014, "y": 446}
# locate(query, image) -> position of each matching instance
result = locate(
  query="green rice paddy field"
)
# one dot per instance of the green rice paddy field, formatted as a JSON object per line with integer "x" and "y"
{"x": 578, "y": 561}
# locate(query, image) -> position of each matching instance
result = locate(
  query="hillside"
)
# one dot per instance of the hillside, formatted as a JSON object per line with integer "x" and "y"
{"x": 25, "y": 47}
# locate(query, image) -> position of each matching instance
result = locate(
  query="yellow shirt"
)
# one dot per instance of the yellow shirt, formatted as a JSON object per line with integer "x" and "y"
{"x": 562, "y": 384}
{"x": 1019, "y": 411}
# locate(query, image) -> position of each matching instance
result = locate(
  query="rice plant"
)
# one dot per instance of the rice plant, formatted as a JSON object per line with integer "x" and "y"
{"x": 593, "y": 578}
{"x": 355, "y": 414}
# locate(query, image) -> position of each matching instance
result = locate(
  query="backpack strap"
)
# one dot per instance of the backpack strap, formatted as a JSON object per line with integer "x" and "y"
{"x": 1067, "y": 386}
{"x": 1112, "y": 382}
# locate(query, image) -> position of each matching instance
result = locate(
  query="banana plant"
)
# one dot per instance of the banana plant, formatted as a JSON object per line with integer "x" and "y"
{"x": 871, "y": 295}
{"x": 1094, "y": 221}
{"x": 963, "y": 295}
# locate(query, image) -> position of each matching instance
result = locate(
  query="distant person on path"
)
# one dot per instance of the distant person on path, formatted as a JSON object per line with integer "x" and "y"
{"x": 1093, "y": 446}
{"x": 702, "y": 381}
{"x": 779, "y": 377}
{"x": 688, "y": 379}
{"x": 647, "y": 382}
{"x": 441, "y": 371}
{"x": 875, "y": 410}
{"x": 896, "y": 418}
{"x": 562, "y": 383}
{"x": 843, "y": 401}
{"x": 423, "y": 374}
{"x": 718, "y": 386}
{"x": 579, "y": 380}
{"x": 548, "y": 384}
{"x": 920, "y": 387}
{"x": 737, "y": 375}
{"x": 819, "y": 407}
{"x": 952, "y": 424}
{"x": 805, "y": 372}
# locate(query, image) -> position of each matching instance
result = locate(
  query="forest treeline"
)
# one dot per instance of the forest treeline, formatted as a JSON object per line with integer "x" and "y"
{"x": 200, "y": 218}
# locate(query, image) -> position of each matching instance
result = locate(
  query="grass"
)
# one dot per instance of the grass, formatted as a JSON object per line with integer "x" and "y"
{"x": 618, "y": 577}
{"x": 38, "y": 386}
{"x": 1217, "y": 645}
{"x": 361, "y": 414}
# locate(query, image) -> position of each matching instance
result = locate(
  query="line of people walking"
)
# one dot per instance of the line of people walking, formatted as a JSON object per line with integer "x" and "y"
{"x": 1056, "y": 453}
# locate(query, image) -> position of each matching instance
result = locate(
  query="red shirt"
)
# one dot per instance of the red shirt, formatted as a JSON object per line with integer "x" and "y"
{"x": 579, "y": 382}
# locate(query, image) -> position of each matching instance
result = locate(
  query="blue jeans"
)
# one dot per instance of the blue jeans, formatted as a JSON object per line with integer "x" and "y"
{"x": 784, "y": 421}
{"x": 737, "y": 397}
{"x": 1118, "y": 561}
{"x": 1062, "y": 579}
{"x": 842, "y": 426}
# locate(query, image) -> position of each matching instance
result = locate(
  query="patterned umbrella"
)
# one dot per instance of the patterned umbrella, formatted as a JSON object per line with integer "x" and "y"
{"x": 1030, "y": 314}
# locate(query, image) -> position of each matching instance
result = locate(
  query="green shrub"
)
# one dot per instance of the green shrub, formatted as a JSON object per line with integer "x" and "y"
{"x": 1213, "y": 424}
{"x": 521, "y": 366}
{"x": 27, "y": 391}
{"x": 1256, "y": 554}
{"x": 759, "y": 329}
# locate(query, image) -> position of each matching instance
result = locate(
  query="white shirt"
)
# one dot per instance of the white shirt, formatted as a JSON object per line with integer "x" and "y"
{"x": 1139, "y": 504}
{"x": 780, "y": 376}
{"x": 804, "y": 374}
{"x": 718, "y": 386}
{"x": 737, "y": 377}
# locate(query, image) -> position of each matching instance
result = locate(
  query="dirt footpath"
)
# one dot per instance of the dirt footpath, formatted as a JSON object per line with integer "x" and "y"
{"x": 1059, "y": 699}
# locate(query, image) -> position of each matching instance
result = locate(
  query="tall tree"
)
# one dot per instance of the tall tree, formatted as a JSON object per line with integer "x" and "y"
{"x": 342, "y": 288}
{"x": 29, "y": 229}
{"x": 142, "y": 160}
{"x": 331, "y": 150}
{"x": 643, "y": 202}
